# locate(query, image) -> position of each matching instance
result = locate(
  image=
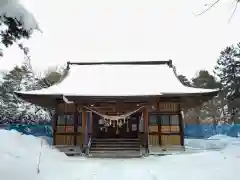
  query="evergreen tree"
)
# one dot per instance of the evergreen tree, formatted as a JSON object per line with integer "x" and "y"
{"x": 228, "y": 71}
{"x": 15, "y": 110}
{"x": 212, "y": 109}
{"x": 205, "y": 80}
{"x": 183, "y": 79}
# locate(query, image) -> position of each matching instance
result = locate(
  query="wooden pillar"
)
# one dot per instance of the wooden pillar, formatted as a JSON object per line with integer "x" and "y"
{"x": 181, "y": 125}
{"x": 54, "y": 122}
{"x": 90, "y": 124}
{"x": 145, "y": 124}
{"x": 75, "y": 124}
{"x": 84, "y": 119}
{"x": 86, "y": 128}
{"x": 159, "y": 123}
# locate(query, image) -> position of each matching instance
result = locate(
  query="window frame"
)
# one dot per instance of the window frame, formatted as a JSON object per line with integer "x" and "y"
{"x": 65, "y": 116}
{"x": 159, "y": 119}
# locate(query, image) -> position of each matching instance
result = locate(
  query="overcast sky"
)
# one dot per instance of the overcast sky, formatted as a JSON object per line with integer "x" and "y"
{"x": 107, "y": 30}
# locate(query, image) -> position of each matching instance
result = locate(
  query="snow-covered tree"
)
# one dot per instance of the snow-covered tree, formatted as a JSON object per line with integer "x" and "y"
{"x": 13, "y": 109}
{"x": 16, "y": 23}
{"x": 228, "y": 71}
{"x": 183, "y": 79}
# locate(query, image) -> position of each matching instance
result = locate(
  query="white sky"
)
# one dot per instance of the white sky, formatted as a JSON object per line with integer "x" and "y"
{"x": 77, "y": 30}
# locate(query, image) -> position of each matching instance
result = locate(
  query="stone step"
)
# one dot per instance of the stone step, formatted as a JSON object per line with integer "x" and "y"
{"x": 112, "y": 142}
{"x": 114, "y": 149}
{"x": 115, "y": 154}
{"x": 115, "y": 140}
{"x": 70, "y": 150}
{"x": 102, "y": 145}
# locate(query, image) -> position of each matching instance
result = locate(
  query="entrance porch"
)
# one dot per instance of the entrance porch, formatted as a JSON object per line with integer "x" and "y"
{"x": 130, "y": 128}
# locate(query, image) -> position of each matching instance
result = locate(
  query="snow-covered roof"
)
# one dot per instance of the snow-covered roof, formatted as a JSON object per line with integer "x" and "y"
{"x": 119, "y": 80}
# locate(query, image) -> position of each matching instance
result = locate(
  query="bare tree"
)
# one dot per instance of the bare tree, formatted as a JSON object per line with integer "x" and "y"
{"x": 212, "y": 5}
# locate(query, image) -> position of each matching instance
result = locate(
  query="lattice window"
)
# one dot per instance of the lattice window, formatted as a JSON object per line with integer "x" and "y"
{"x": 65, "y": 123}
{"x": 164, "y": 123}
{"x": 65, "y": 120}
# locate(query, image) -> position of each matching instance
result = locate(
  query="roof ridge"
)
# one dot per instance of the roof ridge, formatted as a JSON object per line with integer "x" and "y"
{"x": 169, "y": 63}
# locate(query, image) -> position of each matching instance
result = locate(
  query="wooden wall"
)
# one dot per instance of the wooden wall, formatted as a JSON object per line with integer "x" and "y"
{"x": 68, "y": 130}
{"x": 157, "y": 133}
{"x": 165, "y": 124}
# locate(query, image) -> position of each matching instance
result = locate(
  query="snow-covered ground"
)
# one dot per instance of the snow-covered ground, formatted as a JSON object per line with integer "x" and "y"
{"x": 19, "y": 161}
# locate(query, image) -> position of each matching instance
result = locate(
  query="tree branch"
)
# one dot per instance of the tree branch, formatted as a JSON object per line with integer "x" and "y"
{"x": 234, "y": 10}
{"x": 210, "y": 7}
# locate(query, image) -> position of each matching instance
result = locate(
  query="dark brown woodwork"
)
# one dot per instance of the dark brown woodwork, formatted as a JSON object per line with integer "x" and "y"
{"x": 54, "y": 122}
{"x": 76, "y": 113}
{"x": 159, "y": 133}
{"x": 69, "y": 133}
{"x": 115, "y": 109}
{"x": 115, "y": 131}
{"x": 181, "y": 127}
{"x": 84, "y": 123}
{"x": 123, "y": 132}
{"x": 145, "y": 122}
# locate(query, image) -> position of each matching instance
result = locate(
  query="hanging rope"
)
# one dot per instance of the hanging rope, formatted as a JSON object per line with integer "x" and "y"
{"x": 115, "y": 118}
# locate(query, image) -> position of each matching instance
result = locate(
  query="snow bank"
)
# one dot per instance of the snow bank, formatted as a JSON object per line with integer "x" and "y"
{"x": 216, "y": 142}
{"x": 20, "y": 145}
{"x": 13, "y": 8}
{"x": 222, "y": 137}
{"x": 19, "y": 156}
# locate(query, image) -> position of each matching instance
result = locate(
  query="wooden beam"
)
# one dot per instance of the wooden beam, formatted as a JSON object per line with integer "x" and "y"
{"x": 84, "y": 119}
{"x": 181, "y": 126}
{"x": 116, "y": 108}
{"x": 54, "y": 122}
{"x": 90, "y": 124}
{"x": 75, "y": 124}
{"x": 145, "y": 122}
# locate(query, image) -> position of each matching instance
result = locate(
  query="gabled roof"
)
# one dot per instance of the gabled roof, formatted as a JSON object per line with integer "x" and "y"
{"x": 118, "y": 79}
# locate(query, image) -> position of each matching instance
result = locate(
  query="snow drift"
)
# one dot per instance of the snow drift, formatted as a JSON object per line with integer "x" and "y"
{"x": 19, "y": 159}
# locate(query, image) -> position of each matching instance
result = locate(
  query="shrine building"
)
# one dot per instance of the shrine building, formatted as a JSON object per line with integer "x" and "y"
{"x": 119, "y": 106}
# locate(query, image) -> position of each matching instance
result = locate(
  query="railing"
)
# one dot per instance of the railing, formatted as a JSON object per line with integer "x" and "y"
{"x": 88, "y": 145}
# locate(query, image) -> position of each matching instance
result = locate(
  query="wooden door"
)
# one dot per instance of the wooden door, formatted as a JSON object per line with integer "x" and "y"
{"x": 133, "y": 125}
{"x": 96, "y": 130}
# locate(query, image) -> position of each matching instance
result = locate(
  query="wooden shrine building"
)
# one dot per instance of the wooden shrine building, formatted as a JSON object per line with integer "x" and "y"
{"x": 129, "y": 101}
